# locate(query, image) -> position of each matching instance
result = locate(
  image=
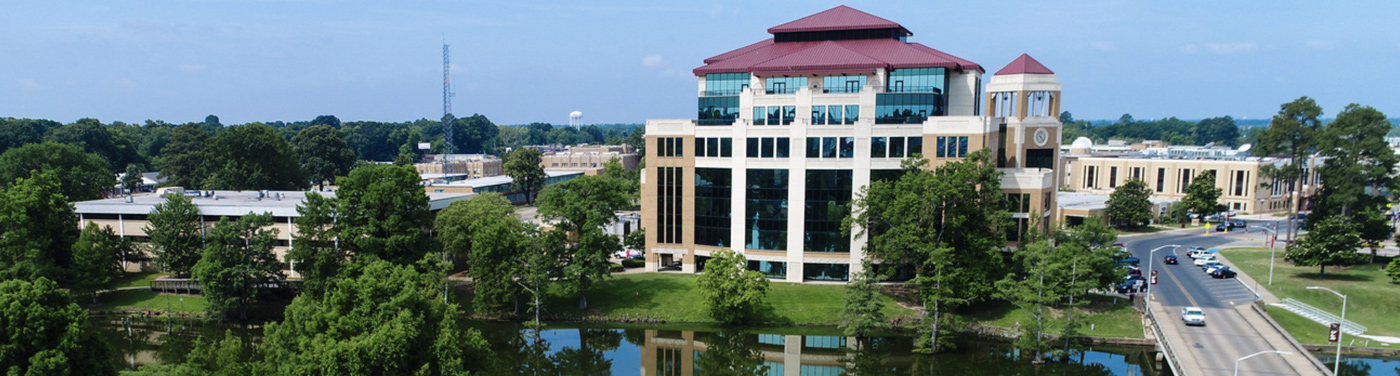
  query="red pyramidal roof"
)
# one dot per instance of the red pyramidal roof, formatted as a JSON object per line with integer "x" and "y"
{"x": 838, "y": 18}
{"x": 1024, "y": 64}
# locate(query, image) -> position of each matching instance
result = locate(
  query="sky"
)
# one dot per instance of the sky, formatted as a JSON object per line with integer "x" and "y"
{"x": 524, "y": 61}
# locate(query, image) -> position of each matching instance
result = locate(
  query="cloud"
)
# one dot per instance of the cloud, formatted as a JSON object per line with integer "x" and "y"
{"x": 1190, "y": 49}
{"x": 192, "y": 68}
{"x": 1102, "y": 46}
{"x": 1231, "y": 48}
{"x": 27, "y": 83}
{"x": 651, "y": 61}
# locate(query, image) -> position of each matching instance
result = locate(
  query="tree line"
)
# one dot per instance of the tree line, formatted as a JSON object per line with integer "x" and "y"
{"x": 1221, "y": 130}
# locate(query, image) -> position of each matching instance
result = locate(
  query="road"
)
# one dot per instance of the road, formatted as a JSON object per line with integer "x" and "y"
{"x": 1232, "y": 330}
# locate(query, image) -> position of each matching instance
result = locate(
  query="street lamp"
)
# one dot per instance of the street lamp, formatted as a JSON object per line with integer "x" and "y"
{"x": 1237, "y": 361}
{"x": 1340, "y": 326}
{"x": 1273, "y": 233}
{"x": 1150, "y": 258}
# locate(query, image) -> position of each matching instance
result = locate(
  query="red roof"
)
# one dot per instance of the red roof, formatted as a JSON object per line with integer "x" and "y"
{"x": 856, "y": 56}
{"x": 838, "y": 18}
{"x": 1024, "y": 64}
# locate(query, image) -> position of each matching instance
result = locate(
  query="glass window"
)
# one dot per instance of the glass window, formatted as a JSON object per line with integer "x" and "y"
{"x": 661, "y": 147}
{"x": 828, "y": 192}
{"x": 712, "y": 147}
{"x": 700, "y": 147}
{"x": 826, "y": 272}
{"x": 818, "y": 115}
{"x": 877, "y": 147}
{"x": 842, "y": 84}
{"x": 770, "y": 269}
{"x": 718, "y": 110}
{"x": 766, "y": 209}
{"x": 680, "y": 147}
{"x": 782, "y": 147}
{"x": 848, "y": 147}
{"x": 767, "y": 147}
{"x": 713, "y": 187}
{"x": 916, "y": 145}
{"x": 722, "y": 84}
{"x": 833, "y": 115}
{"x": 775, "y": 115}
{"x": 897, "y": 147}
{"x": 785, "y": 85}
{"x": 962, "y": 147}
{"x": 852, "y": 114}
{"x": 759, "y": 116}
{"x": 752, "y": 151}
{"x": 952, "y": 147}
{"x": 789, "y": 114}
{"x": 907, "y": 108}
{"x": 829, "y": 147}
{"x": 814, "y": 147}
{"x": 670, "y": 147}
{"x": 917, "y": 80}
{"x": 726, "y": 146}
{"x": 942, "y": 148}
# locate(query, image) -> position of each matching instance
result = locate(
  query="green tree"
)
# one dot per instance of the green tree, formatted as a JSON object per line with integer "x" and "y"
{"x": 252, "y": 157}
{"x": 115, "y": 148}
{"x": 39, "y": 229}
{"x": 526, "y": 173}
{"x": 46, "y": 333}
{"x": 494, "y": 264}
{"x": 131, "y": 179}
{"x": 1359, "y": 162}
{"x": 383, "y": 212}
{"x": 237, "y": 264}
{"x": 905, "y": 221}
{"x": 317, "y": 257}
{"x": 1220, "y": 130}
{"x": 1332, "y": 241}
{"x": 733, "y": 293}
{"x": 861, "y": 314}
{"x": 1032, "y": 291}
{"x": 1393, "y": 269}
{"x": 1292, "y": 135}
{"x": 731, "y": 352}
{"x": 632, "y": 178}
{"x": 182, "y": 160}
{"x": 1128, "y": 204}
{"x": 85, "y": 175}
{"x": 583, "y": 206}
{"x": 323, "y": 153}
{"x": 95, "y": 256}
{"x": 1202, "y": 196}
{"x": 177, "y": 236}
{"x": 389, "y": 319}
{"x": 457, "y": 224}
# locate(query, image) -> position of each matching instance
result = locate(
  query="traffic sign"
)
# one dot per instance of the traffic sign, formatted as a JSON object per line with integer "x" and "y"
{"x": 1335, "y": 334}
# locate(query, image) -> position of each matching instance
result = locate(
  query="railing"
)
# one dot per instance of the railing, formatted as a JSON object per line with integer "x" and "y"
{"x": 1257, "y": 297}
{"x": 720, "y": 93}
{"x": 1170, "y": 357}
{"x": 786, "y": 90}
{"x": 191, "y": 286}
{"x": 1320, "y": 316}
{"x": 913, "y": 89}
{"x": 840, "y": 90}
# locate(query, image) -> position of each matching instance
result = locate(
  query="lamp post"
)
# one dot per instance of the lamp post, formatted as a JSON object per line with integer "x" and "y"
{"x": 1237, "y": 361}
{"x": 1273, "y": 238}
{"x": 1340, "y": 326}
{"x": 1147, "y": 300}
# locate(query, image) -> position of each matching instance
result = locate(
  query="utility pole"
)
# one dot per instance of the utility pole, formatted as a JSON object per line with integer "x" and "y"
{"x": 447, "y": 94}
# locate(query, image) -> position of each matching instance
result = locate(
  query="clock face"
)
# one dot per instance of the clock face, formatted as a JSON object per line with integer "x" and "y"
{"x": 1041, "y": 136}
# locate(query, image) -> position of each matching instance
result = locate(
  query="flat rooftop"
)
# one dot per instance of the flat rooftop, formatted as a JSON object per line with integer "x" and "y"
{"x": 234, "y": 203}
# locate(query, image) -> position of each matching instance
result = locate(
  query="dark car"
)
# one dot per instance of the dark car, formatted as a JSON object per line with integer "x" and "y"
{"x": 1223, "y": 272}
{"x": 1130, "y": 261}
{"x": 1170, "y": 259}
{"x": 1231, "y": 225}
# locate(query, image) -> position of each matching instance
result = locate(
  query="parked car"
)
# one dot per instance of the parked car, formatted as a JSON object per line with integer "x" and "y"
{"x": 1130, "y": 261}
{"x": 1132, "y": 284}
{"x": 1193, "y": 316}
{"x": 1210, "y": 265}
{"x": 1201, "y": 261}
{"x": 629, "y": 254}
{"x": 1170, "y": 259}
{"x": 1195, "y": 252}
{"x": 1223, "y": 272}
{"x": 1134, "y": 271}
{"x": 1231, "y": 225}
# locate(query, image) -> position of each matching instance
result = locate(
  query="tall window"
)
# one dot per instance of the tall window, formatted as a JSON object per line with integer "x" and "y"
{"x": 1185, "y": 174}
{"x": 842, "y": 84}
{"x": 668, "y": 203}
{"x": 1113, "y": 177}
{"x": 1090, "y": 177}
{"x": 785, "y": 85}
{"x": 1161, "y": 179}
{"x": 818, "y": 115}
{"x": 765, "y": 209}
{"x": 725, "y": 84}
{"x": 828, "y": 192}
{"x": 713, "y": 187}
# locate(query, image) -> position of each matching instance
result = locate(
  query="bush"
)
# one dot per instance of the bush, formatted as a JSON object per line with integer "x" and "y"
{"x": 1393, "y": 269}
{"x": 633, "y": 263}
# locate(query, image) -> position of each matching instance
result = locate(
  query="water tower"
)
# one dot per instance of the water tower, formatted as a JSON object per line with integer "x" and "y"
{"x": 576, "y": 119}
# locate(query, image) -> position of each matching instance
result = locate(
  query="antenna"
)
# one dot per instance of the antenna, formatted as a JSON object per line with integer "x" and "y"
{"x": 447, "y": 94}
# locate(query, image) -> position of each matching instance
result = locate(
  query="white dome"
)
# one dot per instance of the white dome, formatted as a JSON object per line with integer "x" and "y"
{"x": 576, "y": 114}
{"x": 1082, "y": 143}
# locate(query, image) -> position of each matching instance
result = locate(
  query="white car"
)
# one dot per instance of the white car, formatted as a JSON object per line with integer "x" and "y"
{"x": 1211, "y": 266}
{"x": 1195, "y": 252}
{"x": 1201, "y": 261}
{"x": 1193, "y": 316}
{"x": 628, "y": 253}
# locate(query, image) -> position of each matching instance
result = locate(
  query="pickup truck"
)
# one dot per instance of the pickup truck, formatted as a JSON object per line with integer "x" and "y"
{"x": 1193, "y": 316}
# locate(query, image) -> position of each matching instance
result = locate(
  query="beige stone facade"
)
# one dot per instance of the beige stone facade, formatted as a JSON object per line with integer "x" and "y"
{"x": 589, "y": 158}
{"x": 1167, "y": 178}
{"x": 468, "y": 166}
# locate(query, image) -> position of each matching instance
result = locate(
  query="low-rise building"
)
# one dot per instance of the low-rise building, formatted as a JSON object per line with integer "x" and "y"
{"x": 589, "y": 158}
{"x": 499, "y": 184}
{"x": 460, "y": 166}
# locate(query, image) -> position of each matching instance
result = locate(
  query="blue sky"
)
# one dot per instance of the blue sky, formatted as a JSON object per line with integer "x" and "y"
{"x": 628, "y": 61}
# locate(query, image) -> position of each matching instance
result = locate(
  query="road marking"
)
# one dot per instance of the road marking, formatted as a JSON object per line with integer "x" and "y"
{"x": 1183, "y": 290}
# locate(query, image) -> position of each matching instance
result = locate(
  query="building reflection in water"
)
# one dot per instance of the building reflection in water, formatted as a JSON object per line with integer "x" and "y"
{"x": 685, "y": 353}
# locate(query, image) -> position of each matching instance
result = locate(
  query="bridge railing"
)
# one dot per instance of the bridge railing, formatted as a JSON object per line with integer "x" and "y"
{"x": 1316, "y": 314}
{"x": 1166, "y": 346}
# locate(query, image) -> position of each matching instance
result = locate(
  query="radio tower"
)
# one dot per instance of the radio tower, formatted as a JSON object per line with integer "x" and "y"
{"x": 447, "y": 94}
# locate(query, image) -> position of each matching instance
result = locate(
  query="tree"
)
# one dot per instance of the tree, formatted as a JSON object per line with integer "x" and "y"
{"x": 733, "y": 293}
{"x": 95, "y": 256}
{"x": 1332, "y": 241}
{"x": 39, "y": 229}
{"x": 238, "y": 264}
{"x": 1393, "y": 269}
{"x": 1292, "y": 135}
{"x": 1359, "y": 164}
{"x": 631, "y": 178}
{"x": 115, "y": 148}
{"x": 131, "y": 179}
{"x": 252, "y": 157}
{"x": 457, "y": 224}
{"x": 176, "y": 233}
{"x": 213, "y": 121}
{"x": 905, "y": 220}
{"x": 85, "y": 175}
{"x": 583, "y": 206}
{"x": 1128, "y": 204}
{"x": 383, "y": 212}
{"x": 526, "y": 173}
{"x": 861, "y": 313}
{"x": 46, "y": 333}
{"x": 473, "y": 132}
{"x": 1220, "y": 130}
{"x": 1202, "y": 196}
{"x": 182, "y": 161}
{"x": 323, "y": 153}
{"x": 1031, "y": 291}
{"x": 389, "y": 319}
{"x": 317, "y": 256}
{"x": 326, "y": 120}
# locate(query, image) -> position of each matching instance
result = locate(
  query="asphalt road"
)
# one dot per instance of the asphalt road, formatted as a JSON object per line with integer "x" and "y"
{"x": 1227, "y": 335}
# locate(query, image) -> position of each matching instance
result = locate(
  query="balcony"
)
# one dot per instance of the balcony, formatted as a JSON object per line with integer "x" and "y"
{"x": 913, "y": 89}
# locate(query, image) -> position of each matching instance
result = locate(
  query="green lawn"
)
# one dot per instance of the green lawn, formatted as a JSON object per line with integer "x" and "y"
{"x": 1371, "y": 297}
{"x": 145, "y": 300}
{"x": 1110, "y": 317}
{"x": 136, "y": 279}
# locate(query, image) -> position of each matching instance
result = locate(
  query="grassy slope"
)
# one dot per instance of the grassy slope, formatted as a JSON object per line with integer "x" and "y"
{"x": 1110, "y": 317}
{"x": 145, "y": 300}
{"x": 136, "y": 280}
{"x": 1371, "y": 297}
